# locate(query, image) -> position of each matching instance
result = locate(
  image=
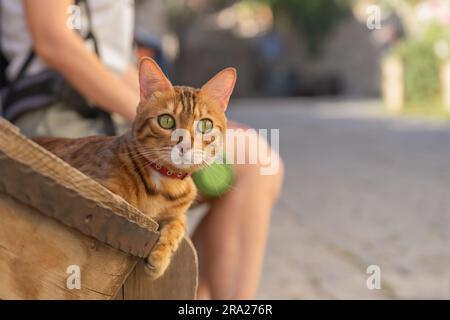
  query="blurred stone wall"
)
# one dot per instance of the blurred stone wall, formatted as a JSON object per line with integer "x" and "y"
{"x": 204, "y": 52}
{"x": 348, "y": 64}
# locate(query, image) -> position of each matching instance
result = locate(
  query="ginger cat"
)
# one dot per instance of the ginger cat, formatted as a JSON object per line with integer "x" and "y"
{"x": 138, "y": 165}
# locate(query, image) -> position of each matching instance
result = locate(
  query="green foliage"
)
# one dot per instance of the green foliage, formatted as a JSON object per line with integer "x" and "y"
{"x": 314, "y": 18}
{"x": 421, "y": 70}
{"x": 430, "y": 108}
{"x": 438, "y": 36}
{"x": 422, "y": 56}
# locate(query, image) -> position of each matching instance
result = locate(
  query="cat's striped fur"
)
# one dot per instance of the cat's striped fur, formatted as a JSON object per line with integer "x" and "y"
{"x": 121, "y": 163}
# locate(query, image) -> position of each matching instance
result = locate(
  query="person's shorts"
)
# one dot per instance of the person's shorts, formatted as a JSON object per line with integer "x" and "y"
{"x": 58, "y": 121}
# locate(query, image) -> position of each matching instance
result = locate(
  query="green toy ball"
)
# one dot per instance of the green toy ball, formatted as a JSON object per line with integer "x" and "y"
{"x": 214, "y": 180}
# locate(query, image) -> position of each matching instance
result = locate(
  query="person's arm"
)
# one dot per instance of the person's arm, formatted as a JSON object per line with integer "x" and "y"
{"x": 131, "y": 78}
{"x": 64, "y": 50}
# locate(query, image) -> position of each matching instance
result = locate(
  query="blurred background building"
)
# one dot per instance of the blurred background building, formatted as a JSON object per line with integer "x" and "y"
{"x": 301, "y": 48}
{"x": 281, "y": 48}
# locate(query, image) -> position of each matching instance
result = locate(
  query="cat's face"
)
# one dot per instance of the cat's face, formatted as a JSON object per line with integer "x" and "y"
{"x": 181, "y": 128}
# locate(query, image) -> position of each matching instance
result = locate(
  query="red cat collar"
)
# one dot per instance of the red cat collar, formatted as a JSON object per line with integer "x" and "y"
{"x": 168, "y": 173}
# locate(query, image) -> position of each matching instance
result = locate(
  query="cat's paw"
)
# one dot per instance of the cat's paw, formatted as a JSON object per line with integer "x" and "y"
{"x": 156, "y": 264}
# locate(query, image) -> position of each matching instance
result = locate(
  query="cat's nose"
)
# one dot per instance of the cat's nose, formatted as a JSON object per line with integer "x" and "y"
{"x": 183, "y": 148}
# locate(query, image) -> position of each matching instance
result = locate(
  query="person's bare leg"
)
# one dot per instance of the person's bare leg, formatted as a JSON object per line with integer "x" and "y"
{"x": 231, "y": 238}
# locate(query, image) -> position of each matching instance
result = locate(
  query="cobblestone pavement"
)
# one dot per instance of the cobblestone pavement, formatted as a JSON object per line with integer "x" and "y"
{"x": 361, "y": 189}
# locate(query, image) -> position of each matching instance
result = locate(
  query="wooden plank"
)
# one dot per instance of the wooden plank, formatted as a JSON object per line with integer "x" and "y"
{"x": 38, "y": 178}
{"x": 119, "y": 295}
{"x": 36, "y": 250}
{"x": 179, "y": 282}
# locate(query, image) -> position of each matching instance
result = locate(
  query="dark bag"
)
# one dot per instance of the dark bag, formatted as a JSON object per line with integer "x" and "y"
{"x": 3, "y": 65}
{"x": 32, "y": 92}
{"x": 3, "y": 60}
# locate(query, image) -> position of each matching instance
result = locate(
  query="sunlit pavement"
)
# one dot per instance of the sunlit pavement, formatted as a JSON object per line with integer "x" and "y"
{"x": 361, "y": 189}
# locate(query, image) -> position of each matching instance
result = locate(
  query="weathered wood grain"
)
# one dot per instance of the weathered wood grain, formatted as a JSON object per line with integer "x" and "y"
{"x": 179, "y": 282}
{"x": 36, "y": 250}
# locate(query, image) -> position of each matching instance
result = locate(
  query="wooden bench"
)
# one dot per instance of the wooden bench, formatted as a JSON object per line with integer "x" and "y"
{"x": 53, "y": 217}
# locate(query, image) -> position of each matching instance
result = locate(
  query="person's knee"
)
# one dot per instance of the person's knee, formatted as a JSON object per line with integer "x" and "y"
{"x": 266, "y": 172}
{"x": 276, "y": 177}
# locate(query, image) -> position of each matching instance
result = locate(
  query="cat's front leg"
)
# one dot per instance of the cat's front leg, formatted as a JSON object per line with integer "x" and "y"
{"x": 171, "y": 233}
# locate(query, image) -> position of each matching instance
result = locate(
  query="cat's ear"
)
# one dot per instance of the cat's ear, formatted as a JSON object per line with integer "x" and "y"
{"x": 152, "y": 78}
{"x": 221, "y": 86}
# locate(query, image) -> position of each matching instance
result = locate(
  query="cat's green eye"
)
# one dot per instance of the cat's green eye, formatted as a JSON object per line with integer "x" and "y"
{"x": 205, "y": 126}
{"x": 166, "y": 121}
